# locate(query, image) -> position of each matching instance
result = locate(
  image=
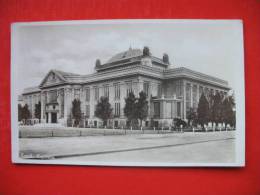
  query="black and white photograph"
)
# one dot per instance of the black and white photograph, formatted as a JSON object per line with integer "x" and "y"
{"x": 158, "y": 93}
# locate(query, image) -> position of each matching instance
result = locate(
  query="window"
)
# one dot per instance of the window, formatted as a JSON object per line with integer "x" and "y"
{"x": 117, "y": 91}
{"x": 200, "y": 91}
{"x": 159, "y": 90}
{"x": 116, "y": 124}
{"x": 178, "y": 88}
{"x": 194, "y": 96}
{"x": 117, "y": 109}
{"x": 106, "y": 91}
{"x": 87, "y": 111}
{"x": 188, "y": 97}
{"x": 146, "y": 88}
{"x": 146, "y": 123}
{"x": 211, "y": 92}
{"x": 76, "y": 93}
{"x": 53, "y": 96}
{"x": 207, "y": 92}
{"x": 129, "y": 88}
{"x": 61, "y": 103}
{"x": 178, "y": 109}
{"x": 87, "y": 94}
{"x": 96, "y": 90}
{"x": 156, "y": 109}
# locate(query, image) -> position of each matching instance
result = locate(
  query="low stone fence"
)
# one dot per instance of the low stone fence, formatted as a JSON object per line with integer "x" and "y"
{"x": 41, "y": 132}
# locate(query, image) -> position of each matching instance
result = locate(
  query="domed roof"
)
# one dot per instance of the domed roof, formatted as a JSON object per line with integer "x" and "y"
{"x": 126, "y": 54}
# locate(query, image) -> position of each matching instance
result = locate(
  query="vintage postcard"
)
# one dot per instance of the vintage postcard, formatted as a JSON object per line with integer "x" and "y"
{"x": 128, "y": 93}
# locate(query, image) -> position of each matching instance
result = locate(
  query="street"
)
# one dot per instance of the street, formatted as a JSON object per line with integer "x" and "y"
{"x": 212, "y": 147}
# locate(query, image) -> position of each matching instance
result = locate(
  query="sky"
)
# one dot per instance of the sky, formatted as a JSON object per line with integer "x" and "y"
{"x": 207, "y": 46}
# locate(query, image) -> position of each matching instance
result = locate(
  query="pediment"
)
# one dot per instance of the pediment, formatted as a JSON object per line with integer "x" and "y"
{"x": 52, "y": 78}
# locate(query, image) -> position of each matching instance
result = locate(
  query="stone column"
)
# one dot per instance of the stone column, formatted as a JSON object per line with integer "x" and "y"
{"x": 184, "y": 99}
{"x": 198, "y": 94}
{"x": 191, "y": 95}
{"x": 140, "y": 86}
{"x": 161, "y": 109}
{"x": 122, "y": 98}
{"x": 49, "y": 117}
{"x": 67, "y": 103}
{"x": 92, "y": 103}
{"x": 42, "y": 107}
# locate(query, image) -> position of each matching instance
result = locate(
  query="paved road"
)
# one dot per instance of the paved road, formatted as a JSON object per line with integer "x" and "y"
{"x": 205, "y": 152}
{"x": 211, "y": 147}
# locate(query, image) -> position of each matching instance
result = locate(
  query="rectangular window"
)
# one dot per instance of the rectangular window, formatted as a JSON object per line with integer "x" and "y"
{"x": 188, "y": 97}
{"x": 146, "y": 88}
{"x": 96, "y": 90}
{"x": 129, "y": 88}
{"x": 117, "y": 109}
{"x": 194, "y": 96}
{"x": 87, "y": 94}
{"x": 159, "y": 90}
{"x": 87, "y": 111}
{"x": 156, "y": 109}
{"x": 178, "y": 88}
{"x": 211, "y": 92}
{"x": 106, "y": 91}
{"x": 76, "y": 93}
{"x": 62, "y": 102}
{"x": 178, "y": 109}
{"x": 53, "y": 96}
{"x": 168, "y": 110}
{"x": 116, "y": 124}
{"x": 117, "y": 91}
{"x": 200, "y": 91}
{"x": 207, "y": 92}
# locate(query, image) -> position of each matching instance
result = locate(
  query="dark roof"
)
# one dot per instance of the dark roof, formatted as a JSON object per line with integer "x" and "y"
{"x": 126, "y": 54}
{"x": 128, "y": 57}
{"x": 31, "y": 90}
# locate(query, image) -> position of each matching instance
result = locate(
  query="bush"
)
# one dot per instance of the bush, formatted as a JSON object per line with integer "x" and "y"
{"x": 178, "y": 122}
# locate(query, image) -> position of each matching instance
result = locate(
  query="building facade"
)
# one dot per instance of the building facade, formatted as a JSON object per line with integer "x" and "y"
{"x": 171, "y": 91}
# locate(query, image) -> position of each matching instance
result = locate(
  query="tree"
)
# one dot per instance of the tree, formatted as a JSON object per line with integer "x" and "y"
{"x": 37, "y": 110}
{"x": 23, "y": 112}
{"x": 146, "y": 51}
{"x": 203, "y": 110}
{"x": 191, "y": 116}
{"x": 103, "y": 109}
{"x": 76, "y": 111}
{"x": 216, "y": 109}
{"x": 130, "y": 107}
{"x": 211, "y": 101}
{"x": 20, "y": 112}
{"x": 227, "y": 111}
{"x": 178, "y": 122}
{"x": 142, "y": 107}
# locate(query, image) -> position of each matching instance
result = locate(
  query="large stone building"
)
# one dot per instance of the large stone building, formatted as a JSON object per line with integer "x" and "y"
{"x": 171, "y": 91}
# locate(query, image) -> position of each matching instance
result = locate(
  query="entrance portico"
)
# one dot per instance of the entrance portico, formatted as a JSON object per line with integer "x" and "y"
{"x": 166, "y": 109}
{"x": 52, "y": 112}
